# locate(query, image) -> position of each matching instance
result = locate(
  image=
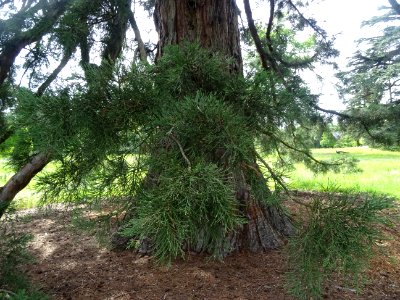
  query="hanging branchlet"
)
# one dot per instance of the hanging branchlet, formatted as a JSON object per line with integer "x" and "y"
{"x": 171, "y": 135}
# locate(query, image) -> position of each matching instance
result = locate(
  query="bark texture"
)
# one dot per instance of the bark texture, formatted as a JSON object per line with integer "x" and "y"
{"x": 21, "y": 179}
{"x": 214, "y": 24}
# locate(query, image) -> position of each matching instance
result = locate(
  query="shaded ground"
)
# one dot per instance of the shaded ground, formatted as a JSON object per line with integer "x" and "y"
{"x": 72, "y": 265}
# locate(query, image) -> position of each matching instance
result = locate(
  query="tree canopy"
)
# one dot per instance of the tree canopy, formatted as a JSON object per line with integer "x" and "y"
{"x": 370, "y": 87}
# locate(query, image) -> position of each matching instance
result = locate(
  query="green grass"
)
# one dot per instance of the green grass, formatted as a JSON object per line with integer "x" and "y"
{"x": 28, "y": 197}
{"x": 380, "y": 173}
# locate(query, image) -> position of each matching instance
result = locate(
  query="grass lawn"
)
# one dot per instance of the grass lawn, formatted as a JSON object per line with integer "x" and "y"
{"x": 380, "y": 173}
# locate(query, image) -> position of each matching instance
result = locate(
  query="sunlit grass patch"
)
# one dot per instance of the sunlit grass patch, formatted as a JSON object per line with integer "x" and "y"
{"x": 380, "y": 173}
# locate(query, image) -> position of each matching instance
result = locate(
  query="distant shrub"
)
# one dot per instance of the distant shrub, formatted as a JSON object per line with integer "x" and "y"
{"x": 346, "y": 141}
{"x": 328, "y": 140}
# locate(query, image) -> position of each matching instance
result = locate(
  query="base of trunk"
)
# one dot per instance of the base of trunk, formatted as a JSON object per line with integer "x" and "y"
{"x": 267, "y": 228}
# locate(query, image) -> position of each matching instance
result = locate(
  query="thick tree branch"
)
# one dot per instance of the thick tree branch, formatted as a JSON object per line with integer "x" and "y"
{"x": 13, "y": 47}
{"x": 270, "y": 24}
{"x": 265, "y": 60}
{"x": 395, "y": 5}
{"x": 21, "y": 179}
{"x": 117, "y": 27}
{"x": 138, "y": 37}
{"x": 54, "y": 74}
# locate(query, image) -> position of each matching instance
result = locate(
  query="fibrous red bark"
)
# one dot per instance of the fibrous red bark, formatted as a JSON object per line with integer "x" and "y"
{"x": 212, "y": 23}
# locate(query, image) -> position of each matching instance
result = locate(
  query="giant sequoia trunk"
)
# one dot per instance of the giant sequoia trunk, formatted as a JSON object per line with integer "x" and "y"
{"x": 214, "y": 24}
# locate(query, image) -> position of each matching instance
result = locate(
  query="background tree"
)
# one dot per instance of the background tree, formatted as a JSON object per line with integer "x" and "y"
{"x": 371, "y": 85}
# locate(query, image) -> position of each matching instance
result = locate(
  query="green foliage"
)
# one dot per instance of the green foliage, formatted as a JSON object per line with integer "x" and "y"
{"x": 346, "y": 140}
{"x": 337, "y": 239}
{"x": 328, "y": 140}
{"x": 14, "y": 254}
{"x": 187, "y": 206}
{"x": 187, "y": 112}
{"x": 199, "y": 138}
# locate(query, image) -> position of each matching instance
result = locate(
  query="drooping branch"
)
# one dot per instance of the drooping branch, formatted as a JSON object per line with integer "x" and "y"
{"x": 272, "y": 173}
{"x": 67, "y": 56}
{"x": 334, "y": 112}
{"x": 287, "y": 145}
{"x": 13, "y": 47}
{"x": 269, "y": 62}
{"x": 182, "y": 151}
{"x": 382, "y": 60}
{"x": 351, "y": 118}
{"x": 306, "y": 20}
{"x": 298, "y": 63}
{"x": 114, "y": 42}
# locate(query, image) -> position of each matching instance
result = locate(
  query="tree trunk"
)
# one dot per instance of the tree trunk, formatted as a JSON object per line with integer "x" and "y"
{"x": 214, "y": 24}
